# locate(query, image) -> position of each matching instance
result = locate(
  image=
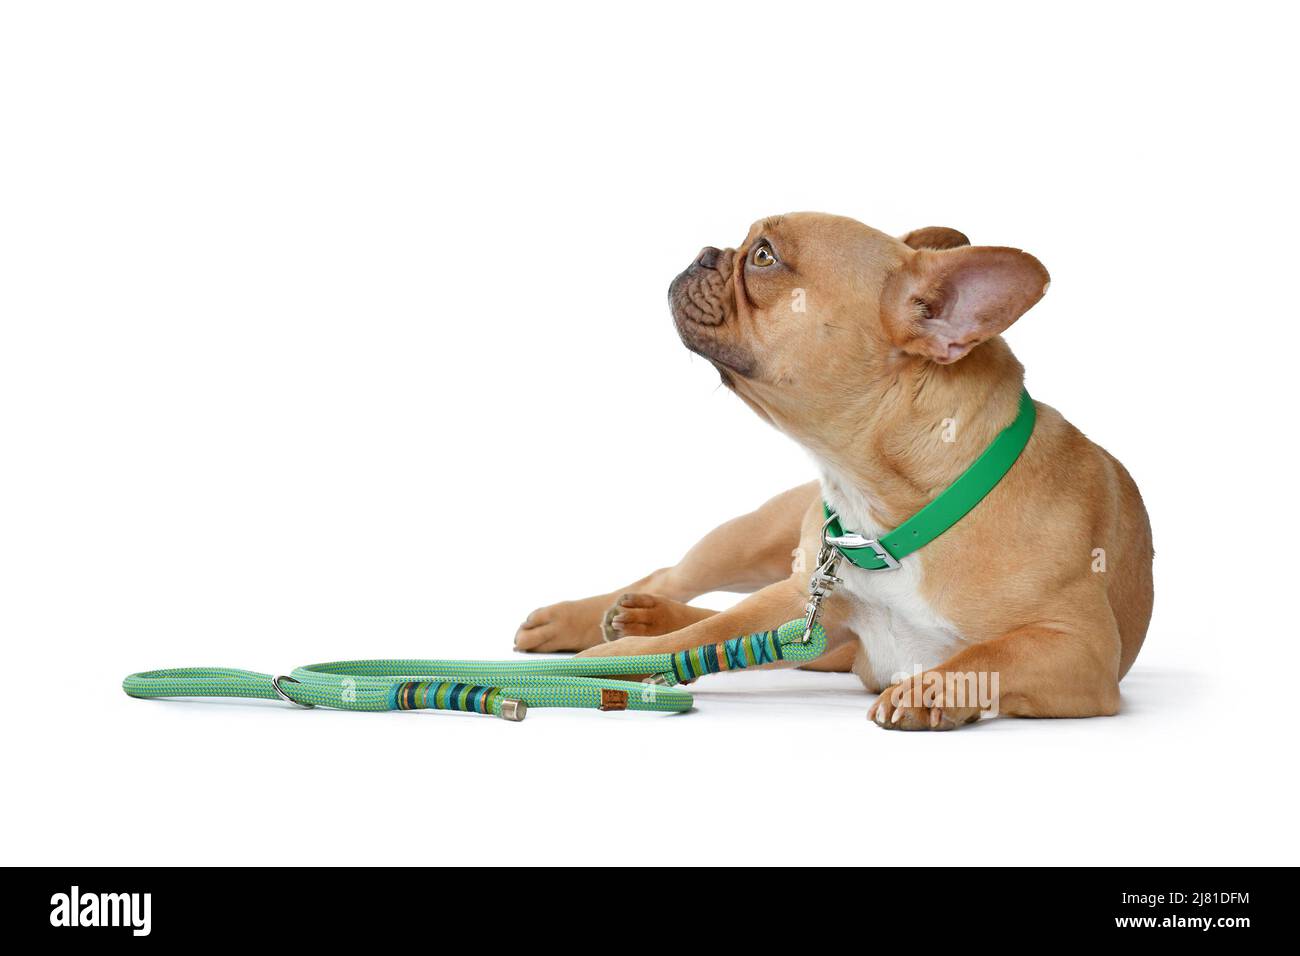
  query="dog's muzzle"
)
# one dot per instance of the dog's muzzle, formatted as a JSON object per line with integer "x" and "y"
{"x": 701, "y": 294}
{"x": 702, "y": 300}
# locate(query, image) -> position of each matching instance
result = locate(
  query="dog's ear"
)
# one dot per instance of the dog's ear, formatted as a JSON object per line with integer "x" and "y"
{"x": 935, "y": 237}
{"x": 940, "y": 305}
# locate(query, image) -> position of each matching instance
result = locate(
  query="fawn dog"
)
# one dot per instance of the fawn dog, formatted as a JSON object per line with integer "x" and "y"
{"x": 883, "y": 357}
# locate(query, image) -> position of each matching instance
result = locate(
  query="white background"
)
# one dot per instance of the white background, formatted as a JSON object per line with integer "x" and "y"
{"x": 305, "y": 305}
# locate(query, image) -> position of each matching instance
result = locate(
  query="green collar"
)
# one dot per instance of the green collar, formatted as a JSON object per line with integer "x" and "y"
{"x": 875, "y": 554}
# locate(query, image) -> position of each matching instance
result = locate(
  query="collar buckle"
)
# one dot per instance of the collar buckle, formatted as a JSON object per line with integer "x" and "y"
{"x": 854, "y": 541}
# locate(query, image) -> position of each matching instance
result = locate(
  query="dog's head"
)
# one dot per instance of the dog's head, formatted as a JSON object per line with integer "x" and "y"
{"x": 810, "y": 308}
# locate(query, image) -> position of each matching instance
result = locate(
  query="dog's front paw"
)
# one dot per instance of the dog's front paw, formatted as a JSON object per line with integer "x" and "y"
{"x": 567, "y": 626}
{"x": 920, "y": 702}
{"x": 639, "y": 614}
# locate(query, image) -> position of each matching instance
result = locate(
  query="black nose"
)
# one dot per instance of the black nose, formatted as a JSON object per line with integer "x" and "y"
{"x": 708, "y": 257}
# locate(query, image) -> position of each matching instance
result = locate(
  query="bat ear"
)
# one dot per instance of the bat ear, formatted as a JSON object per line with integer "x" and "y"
{"x": 940, "y": 305}
{"x": 935, "y": 237}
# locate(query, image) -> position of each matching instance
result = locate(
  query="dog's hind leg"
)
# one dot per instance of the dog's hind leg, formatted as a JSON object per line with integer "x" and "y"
{"x": 743, "y": 554}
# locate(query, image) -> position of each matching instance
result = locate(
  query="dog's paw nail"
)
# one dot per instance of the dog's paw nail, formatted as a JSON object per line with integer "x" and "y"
{"x": 898, "y": 715}
{"x": 936, "y": 715}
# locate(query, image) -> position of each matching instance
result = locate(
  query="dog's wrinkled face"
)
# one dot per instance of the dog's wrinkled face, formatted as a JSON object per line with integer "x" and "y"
{"x": 810, "y": 307}
{"x": 760, "y": 311}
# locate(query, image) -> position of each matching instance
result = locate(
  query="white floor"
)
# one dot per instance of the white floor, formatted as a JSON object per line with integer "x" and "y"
{"x": 769, "y": 767}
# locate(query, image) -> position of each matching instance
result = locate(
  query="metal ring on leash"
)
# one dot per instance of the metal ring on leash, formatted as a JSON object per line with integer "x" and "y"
{"x": 275, "y": 686}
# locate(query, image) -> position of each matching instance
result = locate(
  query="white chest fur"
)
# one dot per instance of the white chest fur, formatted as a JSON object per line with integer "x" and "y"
{"x": 897, "y": 627}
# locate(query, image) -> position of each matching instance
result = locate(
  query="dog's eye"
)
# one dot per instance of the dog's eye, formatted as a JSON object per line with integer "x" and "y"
{"x": 763, "y": 256}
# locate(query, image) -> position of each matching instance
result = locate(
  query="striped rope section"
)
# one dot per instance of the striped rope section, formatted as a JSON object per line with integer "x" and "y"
{"x": 421, "y": 695}
{"x": 752, "y": 650}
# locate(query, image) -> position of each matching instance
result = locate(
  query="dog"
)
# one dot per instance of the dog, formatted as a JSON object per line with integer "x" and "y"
{"x": 884, "y": 358}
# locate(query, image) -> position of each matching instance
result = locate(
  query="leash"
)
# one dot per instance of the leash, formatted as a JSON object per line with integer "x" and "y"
{"x": 503, "y": 688}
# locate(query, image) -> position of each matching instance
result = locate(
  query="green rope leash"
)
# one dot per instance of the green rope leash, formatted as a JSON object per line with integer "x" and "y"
{"x": 502, "y": 688}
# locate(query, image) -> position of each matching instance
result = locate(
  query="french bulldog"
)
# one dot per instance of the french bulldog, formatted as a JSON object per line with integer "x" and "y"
{"x": 884, "y": 358}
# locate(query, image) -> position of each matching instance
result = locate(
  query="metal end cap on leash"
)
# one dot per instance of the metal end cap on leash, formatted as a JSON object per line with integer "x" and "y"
{"x": 512, "y": 709}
